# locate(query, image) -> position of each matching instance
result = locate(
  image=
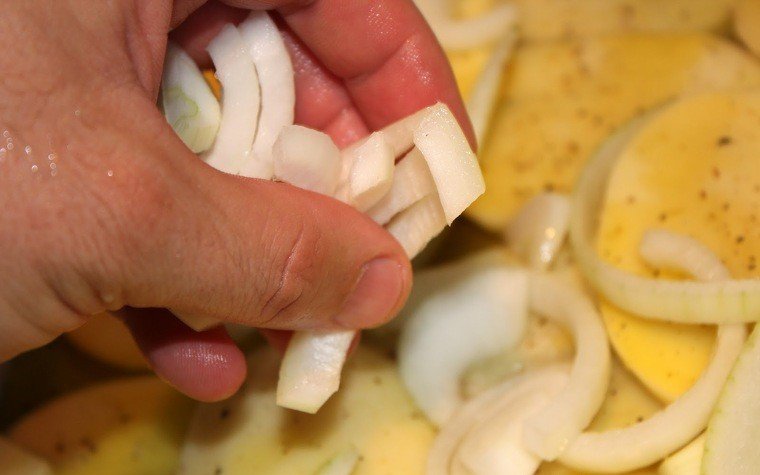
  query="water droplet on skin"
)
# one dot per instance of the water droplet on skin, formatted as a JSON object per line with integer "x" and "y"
{"x": 52, "y": 157}
{"x": 34, "y": 168}
{"x": 10, "y": 146}
{"x": 53, "y": 166}
{"x": 110, "y": 172}
{"x": 28, "y": 149}
{"x": 53, "y": 172}
{"x": 6, "y": 134}
{"x": 77, "y": 113}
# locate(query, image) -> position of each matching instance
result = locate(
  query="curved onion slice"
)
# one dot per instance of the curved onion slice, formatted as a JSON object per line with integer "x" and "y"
{"x": 679, "y": 301}
{"x": 189, "y": 105}
{"x": 476, "y": 414}
{"x": 464, "y": 34}
{"x": 538, "y": 231}
{"x": 371, "y": 173}
{"x": 307, "y": 158}
{"x": 240, "y": 101}
{"x": 342, "y": 464}
{"x": 278, "y": 93}
{"x": 417, "y": 225}
{"x": 687, "y": 461}
{"x": 480, "y": 104}
{"x": 467, "y": 319}
{"x": 648, "y": 441}
{"x": 310, "y": 370}
{"x": 549, "y": 431}
{"x": 411, "y": 182}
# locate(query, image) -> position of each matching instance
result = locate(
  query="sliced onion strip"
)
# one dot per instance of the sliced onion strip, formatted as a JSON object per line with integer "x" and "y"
{"x": 371, "y": 173}
{"x": 538, "y": 231}
{"x": 306, "y": 158}
{"x": 411, "y": 182}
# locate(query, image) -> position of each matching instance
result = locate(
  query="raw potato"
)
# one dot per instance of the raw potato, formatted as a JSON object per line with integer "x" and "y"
{"x": 106, "y": 338}
{"x": 562, "y": 99}
{"x": 747, "y": 23}
{"x": 707, "y": 187}
{"x": 14, "y": 460}
{"x": 127, "y": 426}
{"x": 250, "y": 434}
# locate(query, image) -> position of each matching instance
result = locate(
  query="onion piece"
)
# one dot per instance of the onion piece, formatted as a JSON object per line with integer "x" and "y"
{"x": 452, "y": 162}
{"x": 16, "y": 460}
{"x": 307, "y": 158}
{"x": 538, "y": 231}
{"x": 411, "y": 182}
{"x": 678, "y": 301}
{"x": 469, "y": 33}
{"x": 188, "y": 103}
{"x": 241, "y": 100}
{"x": 310, "y": 369}
{"x": 371, "y": 172}
{"x": 687, "y": 461}
{"x": 343, "y": 463}
{"x": 278, "y": 92}
{"x": 649, "y": 441}
{"x": 479, "y": 411}
{"x": 482, "y": 100}
{"x": 469, "y": 318}
{"x": 416, "y": 226}
{"x": 549, "y": 431}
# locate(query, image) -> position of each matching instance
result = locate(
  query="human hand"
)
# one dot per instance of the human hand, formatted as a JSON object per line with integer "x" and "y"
{"x": 105, "y": 209}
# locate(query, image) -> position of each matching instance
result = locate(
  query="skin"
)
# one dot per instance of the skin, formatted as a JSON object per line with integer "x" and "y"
{"x": 104, "y": 209}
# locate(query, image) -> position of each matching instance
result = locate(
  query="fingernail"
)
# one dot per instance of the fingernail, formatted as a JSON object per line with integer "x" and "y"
{"x": 377, "y": 295}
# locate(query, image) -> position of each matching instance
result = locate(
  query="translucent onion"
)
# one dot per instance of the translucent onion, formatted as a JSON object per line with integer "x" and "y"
{"x": 241, "y": 101}
{"x": 278, "y": 92}
{"x": 687, "y": 461}
{"x": 342, "y": 464}
{"x": 481, "y": 410}
{"x": 678, "y": 301}
{"x": 188, "y": 103}
{"x": 539, "y": 229}
{"x": 648, "y": 441}
{"x": 548, "y": 432}
{"x": 469, "y": 33}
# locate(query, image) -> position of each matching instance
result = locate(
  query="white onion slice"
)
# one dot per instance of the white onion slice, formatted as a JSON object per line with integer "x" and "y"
{"x": 278, "y": 93}
{"x": 549, "y": 431}
{"x": 188, "y": 103}
{"x": 480, "y": 411}
{"x": 649, "y": 441}
{"x": 482, "y": 100}
{"x": 371, "y": 173}
{"x": 669, "y": 250}
{"x": 411, "y": 182}
{"x": 342, "y": 464}
{"x": 452, "y": 162}
{"x": 240, "y": 101}
{"x": 679, "y": 301}
{"x": 16, "y": 460}
{"x": 310, "y": 370}
{"x": 416, "y": 226}
{"x": 470, "y": 33}
{"x": 687, "y": 461}
{"x": 467, "y": 319}
{"x": 307, "y": 158}
{"x": 538, "y": 231}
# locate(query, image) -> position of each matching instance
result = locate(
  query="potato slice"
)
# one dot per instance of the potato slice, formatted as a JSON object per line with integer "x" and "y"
{"x": 747, "y": 23}
{"x": 106, "y": 338}
{"x": 561, "y": 100}
{"x": 125, "y": 426}
{"x": 692, "y": 171}
{"x": 372, "y": 413}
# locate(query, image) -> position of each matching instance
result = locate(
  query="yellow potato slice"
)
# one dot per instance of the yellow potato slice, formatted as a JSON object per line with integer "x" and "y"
{"x": 562, "y": 99}
{"x": 693, "y": 170}
{"x": 372, "y": 413}
{"x": 127, "y": 426}
{"x": 106, "y": 338}
{"x": 747, "y": 23}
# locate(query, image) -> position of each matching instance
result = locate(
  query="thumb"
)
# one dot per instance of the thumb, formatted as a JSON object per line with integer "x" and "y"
{"x": 264, "y": 254}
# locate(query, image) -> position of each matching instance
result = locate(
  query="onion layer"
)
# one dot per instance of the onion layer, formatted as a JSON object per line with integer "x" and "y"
{"x": 307, "y": 158}
{"x": 678, "y": 301}
{"x": 538, "y": 231}
{"x": 411, "y": 183}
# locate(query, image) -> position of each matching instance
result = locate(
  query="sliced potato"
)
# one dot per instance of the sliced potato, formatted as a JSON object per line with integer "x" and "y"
{"x": 747, "y": 23}
{"x": 563, "y": 99}
{"x": 693, "y": 171}
{"x": 127, "y": 426}
{"x": 106, "y": 338}
{"x": 372, "y": 413}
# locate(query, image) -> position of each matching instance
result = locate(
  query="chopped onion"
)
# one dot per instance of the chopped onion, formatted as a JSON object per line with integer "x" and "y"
{"x": 278, "y": 93}
{"x": 343, "y": 463}
{"x": 466, "y": 319}
{"x": 307, "y": 158}
{"x": 648, "y": 441}
{"x": 452, "y": 162}
{"x": 678, "y": 301}
{"x": 687, "y": 461}
{"x": 240, "y": 101}
{"x": 549, "y": 431}
{"x": 371, "y": 174}
{"x": 482, "y": 409}
{"x": 538, "y": 231}
{"x": 189, "y": 105}
{"x": 482, "y": 100}
{"x": 470, "y": 33}
{"x": 310, "y": 370}
{"x": 411, "y": 182}
{"x": 416, "y": 226}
